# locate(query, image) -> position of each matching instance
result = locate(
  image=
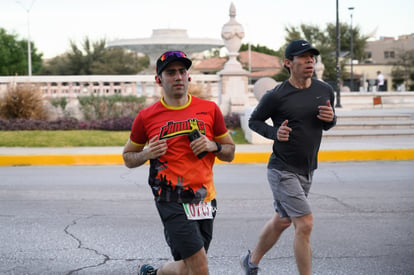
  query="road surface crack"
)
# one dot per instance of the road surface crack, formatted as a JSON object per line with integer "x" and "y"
{"x": 82, "y": 246}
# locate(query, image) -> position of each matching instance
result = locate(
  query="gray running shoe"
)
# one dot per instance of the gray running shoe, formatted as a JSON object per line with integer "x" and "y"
{"x": 244, "y": 262}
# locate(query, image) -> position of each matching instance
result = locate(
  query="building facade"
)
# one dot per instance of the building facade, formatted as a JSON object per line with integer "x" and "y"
{"x": 381, "y": 55}
{"x": 257, "y": 64}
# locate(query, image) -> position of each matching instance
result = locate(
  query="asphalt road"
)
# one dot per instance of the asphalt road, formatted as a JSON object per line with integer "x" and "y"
{"x": 102, "y": 220}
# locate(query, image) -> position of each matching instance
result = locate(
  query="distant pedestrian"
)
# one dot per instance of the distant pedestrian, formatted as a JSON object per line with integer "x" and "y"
{"x": 380, "y": 82}
{"x": 300, "y": 108}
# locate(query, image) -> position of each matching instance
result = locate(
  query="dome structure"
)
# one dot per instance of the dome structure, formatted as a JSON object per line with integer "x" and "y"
{"x": 163, "y": 40}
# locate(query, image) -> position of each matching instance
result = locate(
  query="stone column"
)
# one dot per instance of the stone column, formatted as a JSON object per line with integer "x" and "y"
{"x": 233, "y": 94}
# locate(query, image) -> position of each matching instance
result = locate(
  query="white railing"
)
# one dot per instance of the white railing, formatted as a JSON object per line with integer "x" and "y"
{"x": 78, "y": 85}
{"x": 72, "y": 86}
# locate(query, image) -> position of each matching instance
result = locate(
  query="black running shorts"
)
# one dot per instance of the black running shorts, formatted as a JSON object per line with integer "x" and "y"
{"x": 184, "y": 237}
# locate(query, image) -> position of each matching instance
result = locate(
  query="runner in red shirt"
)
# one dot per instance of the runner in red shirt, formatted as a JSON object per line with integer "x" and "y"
{"x": 181, "y": 135}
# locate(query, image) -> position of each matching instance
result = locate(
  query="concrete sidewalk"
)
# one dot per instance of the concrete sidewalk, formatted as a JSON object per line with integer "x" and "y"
{"x": 332, "y": 149}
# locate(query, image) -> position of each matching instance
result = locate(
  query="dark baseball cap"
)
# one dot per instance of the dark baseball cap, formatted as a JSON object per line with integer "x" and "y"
{"x": 171, "y": 56}
{"x": 298, "y": 47}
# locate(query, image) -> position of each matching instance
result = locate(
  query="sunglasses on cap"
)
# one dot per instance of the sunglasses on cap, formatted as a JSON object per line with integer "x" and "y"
{"x": 172, "y": 53}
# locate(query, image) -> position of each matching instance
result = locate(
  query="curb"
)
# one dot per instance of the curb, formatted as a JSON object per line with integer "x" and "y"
{"x": 240, "y": 157}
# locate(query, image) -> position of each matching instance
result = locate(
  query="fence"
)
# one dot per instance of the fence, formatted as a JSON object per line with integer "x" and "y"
{"x": 79, "y": 85}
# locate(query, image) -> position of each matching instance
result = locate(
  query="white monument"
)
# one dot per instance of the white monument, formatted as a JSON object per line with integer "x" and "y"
{"x": 319, "y": 67}
{"x": 234, "y": 92}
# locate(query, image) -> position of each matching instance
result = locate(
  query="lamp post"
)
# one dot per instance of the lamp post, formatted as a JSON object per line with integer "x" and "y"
{"x": 351, "y": 9}
{"x": 29, "y": 50}
{"x": 338, "y": 46}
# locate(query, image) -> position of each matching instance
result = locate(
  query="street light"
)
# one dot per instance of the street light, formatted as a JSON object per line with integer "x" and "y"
{"x": 338, "y": 73}
{"x": 29, "y": 50}
{"x": 351, "y": 9}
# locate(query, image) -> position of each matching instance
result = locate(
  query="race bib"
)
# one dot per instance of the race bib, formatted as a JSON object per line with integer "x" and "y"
{"x": 198, "y": 211}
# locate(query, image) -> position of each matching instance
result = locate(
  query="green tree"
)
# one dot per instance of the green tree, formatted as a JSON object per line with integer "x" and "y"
{"x": 119, "y": 61}
{"x": 56, "y": 66}
{"x": 258, "y": 48}
{"x": 80, "y": 62}
{"x": 95, "y": 58}
{"x": 359, "y": 40}
{"x": 214, "y": 52}
{"x": 13, "y": 55}
{"x": 403, "y": 69}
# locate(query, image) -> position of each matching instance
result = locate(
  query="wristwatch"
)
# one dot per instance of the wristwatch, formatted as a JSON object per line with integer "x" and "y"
{"x": 218, "y": 144}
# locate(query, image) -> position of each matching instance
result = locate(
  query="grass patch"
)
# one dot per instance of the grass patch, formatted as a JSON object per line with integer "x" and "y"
{"x": 73, "y": 138}
{"x": 238, "y": 136}
{"x": 76, "y": 138}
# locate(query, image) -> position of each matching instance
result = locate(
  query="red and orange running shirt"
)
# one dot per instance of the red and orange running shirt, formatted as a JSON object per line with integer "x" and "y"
{"x": 179, "y": 175}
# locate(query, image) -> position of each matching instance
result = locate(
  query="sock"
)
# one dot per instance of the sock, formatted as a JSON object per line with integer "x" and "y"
{"x": 252, "y": 265}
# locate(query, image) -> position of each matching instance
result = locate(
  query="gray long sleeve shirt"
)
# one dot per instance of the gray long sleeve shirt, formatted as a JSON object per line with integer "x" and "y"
{"x": 300, "y": 107}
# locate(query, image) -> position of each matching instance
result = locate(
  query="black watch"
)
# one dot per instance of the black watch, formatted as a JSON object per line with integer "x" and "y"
{"x": 218, "y": 144}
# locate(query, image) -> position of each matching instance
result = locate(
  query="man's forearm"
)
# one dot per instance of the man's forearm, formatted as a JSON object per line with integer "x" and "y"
{"x": 227, "y": 152}
{"x": 263, "y": 129}
{"x": 135, "y": 159}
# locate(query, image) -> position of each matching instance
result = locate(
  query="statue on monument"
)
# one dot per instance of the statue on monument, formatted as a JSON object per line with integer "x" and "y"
{"x": 232, "y": 34}
{"x": 319, "y": 67}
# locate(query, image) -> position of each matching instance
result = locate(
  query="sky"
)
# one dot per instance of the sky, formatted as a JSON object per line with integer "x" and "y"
{"x": 54, "y": 23}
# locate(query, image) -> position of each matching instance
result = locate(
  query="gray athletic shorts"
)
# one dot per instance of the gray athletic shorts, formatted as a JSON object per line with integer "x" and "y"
{"x": 290, "y": 192}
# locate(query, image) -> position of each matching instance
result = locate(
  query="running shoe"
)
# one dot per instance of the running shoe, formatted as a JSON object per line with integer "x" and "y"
{"x": 244, "y": 262}
{"x": 146, "y": 269}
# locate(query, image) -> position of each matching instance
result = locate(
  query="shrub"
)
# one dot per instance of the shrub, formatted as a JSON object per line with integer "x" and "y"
{"x": 115, "y": 124}
{"x": 59, "y": 102}
{"x": 95, "y": 107}
{"x": 35, "y": 124}
{"x": 23, "y": 101}
{"x": 232, "y": 121}
{"x": 198, "y": 91}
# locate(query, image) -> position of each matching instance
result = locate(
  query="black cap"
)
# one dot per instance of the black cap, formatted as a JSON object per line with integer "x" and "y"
{"x": 171, "y": 56}
{"x": 298, "y": 47}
